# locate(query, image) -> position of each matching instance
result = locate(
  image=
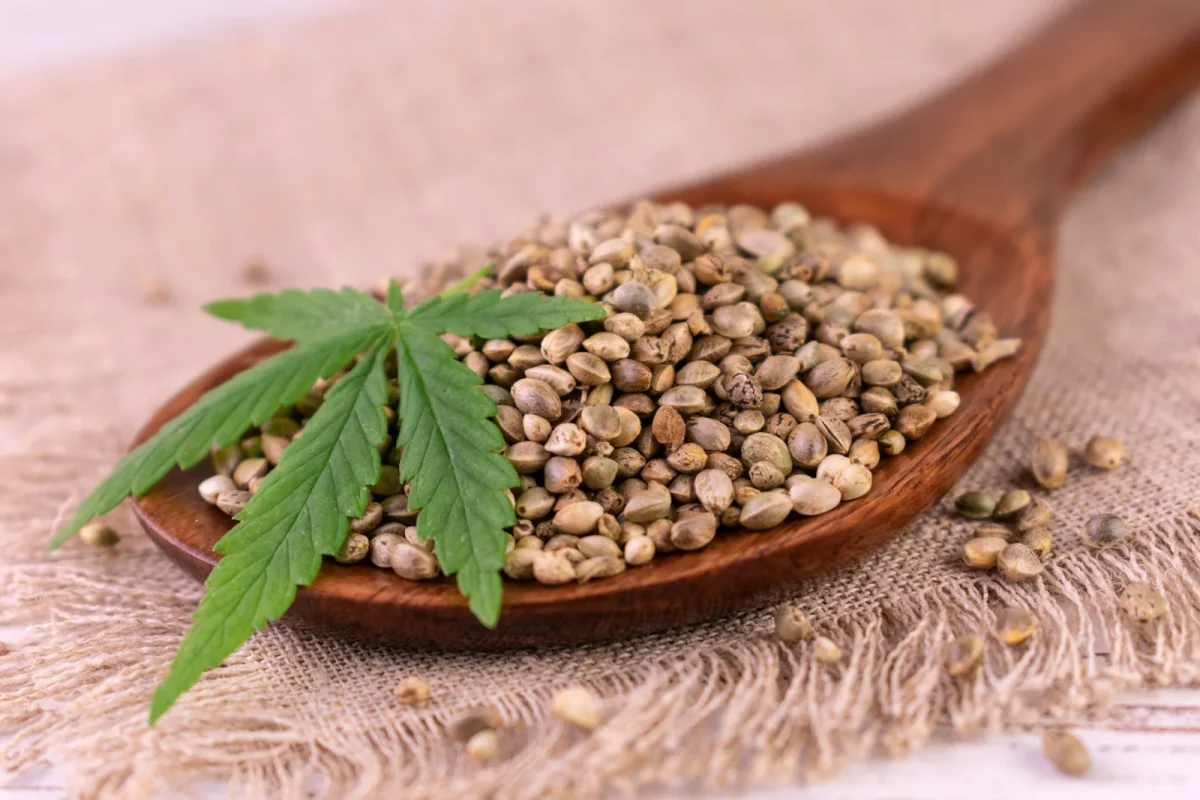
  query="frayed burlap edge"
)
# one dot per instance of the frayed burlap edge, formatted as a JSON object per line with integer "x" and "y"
{"x": 749, "y": 714}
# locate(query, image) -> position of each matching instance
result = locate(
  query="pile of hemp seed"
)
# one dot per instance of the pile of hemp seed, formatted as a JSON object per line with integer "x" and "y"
{"x": 753, "y": 364}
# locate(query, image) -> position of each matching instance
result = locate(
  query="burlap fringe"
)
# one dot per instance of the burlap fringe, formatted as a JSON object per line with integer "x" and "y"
{"x": 757, "y": 713}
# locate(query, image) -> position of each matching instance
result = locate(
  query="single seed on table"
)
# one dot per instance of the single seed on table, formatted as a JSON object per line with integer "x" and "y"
{"x": 370, "y": 519}
{"x": 881, "y": 373}
{"x": 693, "y": 531}
{"x": 914, "y": 420}
{"x": 412, "y": 691}
{"x": 552, "y": 567}
{"x": 713, "y": 435}
{"x": 97, "y": 534}
{"x": 611, "y": 346}
{"x": 1014, "y": 625}
{"x": 765, "y": 510}
{"x": 943, "y": 402}
{"x": 380, "y": 550}
{"x": 688, "y": 458}
{"x": 983, "y": 551}
{"x": 861, "y": 348}
{"x": 578, "y": 706}
{"x": 633, "y": 297}
{"x": 811, "y": 496}
{"x": 807, "y": 446}
{"x": 867, "y": 426}
{"x": 639, "y": 550}
{"x": 878, "y": 400}
{"x": 533, "y": 396}
{"x": 1018, "y": 563}
{"x": 273, "y": 447}
{"x": 588, "y": 370}
{"x": 799, "y": 401}
{"x": 1142, "y": 602}
{"x": 619, "y": 331}
{"x": 211, "y": 488}
{"x": 249, "y": 469}
{"x": 853, "y": 482}
{"x": 535, "y": 428}
{"x": 765, "y": 475}
{"x": 1011, "y": 503}
{"x": 975, "y": 504}
{"x": 579, "y": 518}
{"x": 353, "y": 550}
{"x": 558, "y": 344}
{"x": 668, "y": 427}
{"x": 996, "y": 529}
{"x": 748, "y": 421}
{"x": 566, "y": 439}
{"x": 714, "y": 490}
{"x": 1104, "y": 452}
{"x": 597, "y": 545}
{"x": 534, "y": 503}
{"x": 233, "y": 502}
{"x": 631, "y": 427}
{"x": 1048, "y": 461}
{"x": 1039, "y": 540}
{"x": 648, "y": 505}
{"x": 685, "y": 399}
{"x": 827, "y": 651}
{"x": 964, "y": 654}
{"x": 792, "y": 624}
{"x": 829, "y": 378}
{"x": 1034, "y": 515}
{"x": 1105, "y": 530}
{"x": 597, "y": 567}
{"x": 865, "y": 452}
{"x": 1066, "y": 752}
{"x": 518, "y": 564}
{"x": 562, "y": 474}
{"x": 484, "y": 745}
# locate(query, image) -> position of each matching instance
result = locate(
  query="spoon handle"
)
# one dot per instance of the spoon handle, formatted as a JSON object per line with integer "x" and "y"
{"x": 1008, "y": 144}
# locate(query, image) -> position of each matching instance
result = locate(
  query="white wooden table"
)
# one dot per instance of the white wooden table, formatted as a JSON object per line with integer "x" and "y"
{"x": 1147, "y": 746}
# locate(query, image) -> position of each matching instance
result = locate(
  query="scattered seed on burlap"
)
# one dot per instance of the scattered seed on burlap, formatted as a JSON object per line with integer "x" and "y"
{"x": 1014, "y": 625}
{"x": 983, "y": 552}
{"x": 975, "y": 504}
{"x": 97, "y": 534}
{"x": 742, "y": 349}
{"x": 964, "y": 654}
{"x": 484, "y": 745}
{"x": 1104, "y": 452}
{"x": 827, "y": 651}
{"x": 1142, "y": 602}
{"x": 1104, "y": 530}
{"x": 1019, "y": 563}
{"x": 578, "y": 706}
{"x": 412, "y": 690}
{"x": 1066, "y": 752}
{"x": 791, "y": 624}
{"x": 1048, "y": 462}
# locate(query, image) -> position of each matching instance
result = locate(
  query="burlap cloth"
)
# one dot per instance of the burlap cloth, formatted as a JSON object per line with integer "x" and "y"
{"x": 342, "y": 149}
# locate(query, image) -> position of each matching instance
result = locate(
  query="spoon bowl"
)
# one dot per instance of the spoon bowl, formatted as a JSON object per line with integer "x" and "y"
{"x": 982, "y": 171}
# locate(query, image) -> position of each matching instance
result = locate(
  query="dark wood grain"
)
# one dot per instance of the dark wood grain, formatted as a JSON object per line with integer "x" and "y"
{"x": 982, "y": 170}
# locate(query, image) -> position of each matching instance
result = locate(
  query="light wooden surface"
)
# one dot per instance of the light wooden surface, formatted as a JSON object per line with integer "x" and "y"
{"x": 1146, "y": 746}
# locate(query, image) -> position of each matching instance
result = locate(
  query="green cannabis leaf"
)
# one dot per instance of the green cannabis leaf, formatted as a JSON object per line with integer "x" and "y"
{"x": 491, "y": 316}
{"x": 300, "y": 513}
{"x": 457, "y": 478}
{"x": 221, "y": 417}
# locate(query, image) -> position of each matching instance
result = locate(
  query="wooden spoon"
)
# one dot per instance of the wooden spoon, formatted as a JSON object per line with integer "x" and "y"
{"x": 982, "y": 171}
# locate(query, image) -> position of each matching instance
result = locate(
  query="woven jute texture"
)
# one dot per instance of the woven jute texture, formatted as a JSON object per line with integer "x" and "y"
{"x": 342, "y": 149}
